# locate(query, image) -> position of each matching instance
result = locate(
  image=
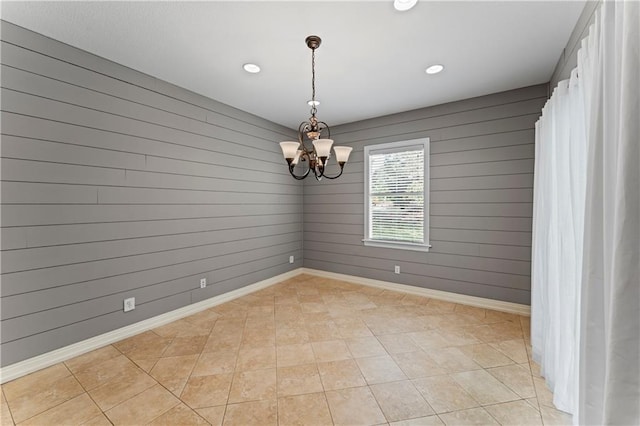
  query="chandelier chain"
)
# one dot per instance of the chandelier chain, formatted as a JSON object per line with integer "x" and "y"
{"x": 313, "y": 82}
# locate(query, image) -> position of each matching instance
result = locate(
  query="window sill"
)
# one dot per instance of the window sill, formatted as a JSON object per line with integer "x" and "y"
{"x": 399, "y": 246}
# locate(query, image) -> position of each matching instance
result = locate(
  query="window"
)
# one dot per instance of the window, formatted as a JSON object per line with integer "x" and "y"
{"x": 397, "y": 195}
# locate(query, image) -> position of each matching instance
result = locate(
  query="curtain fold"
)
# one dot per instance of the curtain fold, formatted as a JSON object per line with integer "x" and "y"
{"x": 586, "y": 227}
{"x": 558, "y": 229}
{"x": 609, "y": 379}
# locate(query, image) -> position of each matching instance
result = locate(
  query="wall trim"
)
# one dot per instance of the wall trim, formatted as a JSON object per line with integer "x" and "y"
{"x": 22, "y": 368}
{"x": 479, "y": 302}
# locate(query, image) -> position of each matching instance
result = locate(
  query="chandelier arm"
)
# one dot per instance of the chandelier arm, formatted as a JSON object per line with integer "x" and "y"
{"x": 302, "y": 158}
{"x": 296, "y": 176}
{"x": 336, "y": 176}
{"x": 326, "y": 127}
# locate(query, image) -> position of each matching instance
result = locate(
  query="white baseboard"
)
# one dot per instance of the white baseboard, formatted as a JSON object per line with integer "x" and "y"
{"x": 19, "y": 369}
{"x": 48, "y": 359}
{"x": 480, "y": 302}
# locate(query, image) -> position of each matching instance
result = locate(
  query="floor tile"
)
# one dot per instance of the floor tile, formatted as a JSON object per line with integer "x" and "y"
{"x": 289, "y": 336}
{"x": 352, "y": 327}
{"x": 554, "y": 417}
{"x": 74, "y": 411}
{"x": 179, "y": 415}
{"x": 298, "y": 379}
{"x": 483, "y": 387}
{"x": 308, "y": 350}
{"x": 515, "y": 413}
{"x": 144, "y": 407}
{"x": 485, "y": 356}
{"x": 514, "y": 349}
{"x": 330, "y": 350}
{"x": 99, "y": 420}
{"x": 304, "y": 410}
{"x": 35, "y": 382}
{"x": 398, "y": 343}
{"x": 219, "y": 362}
{"x": 143, "y": 345}
{"x": 42, "y": 399}
{"x": 256, "y": 358}
{"x": 430, "y": 340}
{"x": 147, "y": 364}
{"x": 223, "y": 341}
{"x": 362, "y": 347}
{"x": 207, "y": 391}
{"x": 380, "y": 369}
{"x": 263, "y": 413}
{"x": 91, "y": 358}
{"x": 453, "y": 360}
{"x": 320, "y": 331}
{"x": 253, "y": 385}
{"x": 517, "y": 378}
{"x": 354, "y": 406}
{"x": 121, "y": 388}
{"x": 440, "y": 306}
{"x": 534, "y": 403}
{"x": 173, "y": 372}
{"x": 400, "y": 401}
{"x": 417, "y": 364}
{"x": 444, "y": 394}
{"x": 214, "y": 415}
{"x": 545, "y": 396}
{"x": 95, "y": 374}
{"x": 459, "y": 337}
{"x": 473, "y": 416}
{"x": 5, "y": 414}
{"x": 185, "y": 346}
{"x": 420, "y": 421}
{"x": 340, "y": 374}
{"x": 296, "y": 354}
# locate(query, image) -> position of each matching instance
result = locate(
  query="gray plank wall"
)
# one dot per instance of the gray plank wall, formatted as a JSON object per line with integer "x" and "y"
{"x": 116, "y": 184}
{"x": 482, "y": 154}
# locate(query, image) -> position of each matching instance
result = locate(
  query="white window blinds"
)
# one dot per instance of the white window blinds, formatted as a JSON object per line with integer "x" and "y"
{"x": 396, "y": 207}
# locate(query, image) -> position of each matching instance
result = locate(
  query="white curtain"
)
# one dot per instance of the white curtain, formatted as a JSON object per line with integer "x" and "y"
{"x": 609, "y": 379}
{"x": 586, "y": 228}
{"x": 558, "y": 229}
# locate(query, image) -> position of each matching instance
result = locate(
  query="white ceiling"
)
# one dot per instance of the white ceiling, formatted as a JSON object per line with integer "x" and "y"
{"x": 371, "y": 61}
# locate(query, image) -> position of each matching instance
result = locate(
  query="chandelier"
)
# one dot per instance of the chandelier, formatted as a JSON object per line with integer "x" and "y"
{"x": 316, "y": 155}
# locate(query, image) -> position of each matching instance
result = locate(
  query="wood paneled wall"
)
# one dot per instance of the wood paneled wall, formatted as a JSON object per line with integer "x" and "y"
{"x": 116, "y": 185}
{"x": 481, "y": 178}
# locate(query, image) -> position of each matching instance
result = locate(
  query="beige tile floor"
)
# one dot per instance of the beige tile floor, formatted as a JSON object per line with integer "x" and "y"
{"x": 307, "y": 351}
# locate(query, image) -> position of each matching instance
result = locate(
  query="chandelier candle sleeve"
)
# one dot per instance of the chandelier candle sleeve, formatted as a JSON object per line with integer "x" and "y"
{"x": 313, "y": 157}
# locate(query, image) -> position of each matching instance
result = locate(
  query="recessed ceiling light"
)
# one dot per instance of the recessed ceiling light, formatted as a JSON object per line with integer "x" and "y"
{"x": 434, "y": 69}
{"x": 252, "y": 68}
{"x": 313, "y": 103}
{"x": 404, "y": 5}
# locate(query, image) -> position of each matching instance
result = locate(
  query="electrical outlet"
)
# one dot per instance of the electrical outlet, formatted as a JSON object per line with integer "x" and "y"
{"x": 129, "y": 304}
{"x": 291, "y": 259}
{"x": 397, "y": 269}
{"x": 203, "y": 282}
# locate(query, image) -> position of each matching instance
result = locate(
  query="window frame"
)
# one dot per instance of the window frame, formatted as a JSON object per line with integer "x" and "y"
{"x": 389, "y": 148}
